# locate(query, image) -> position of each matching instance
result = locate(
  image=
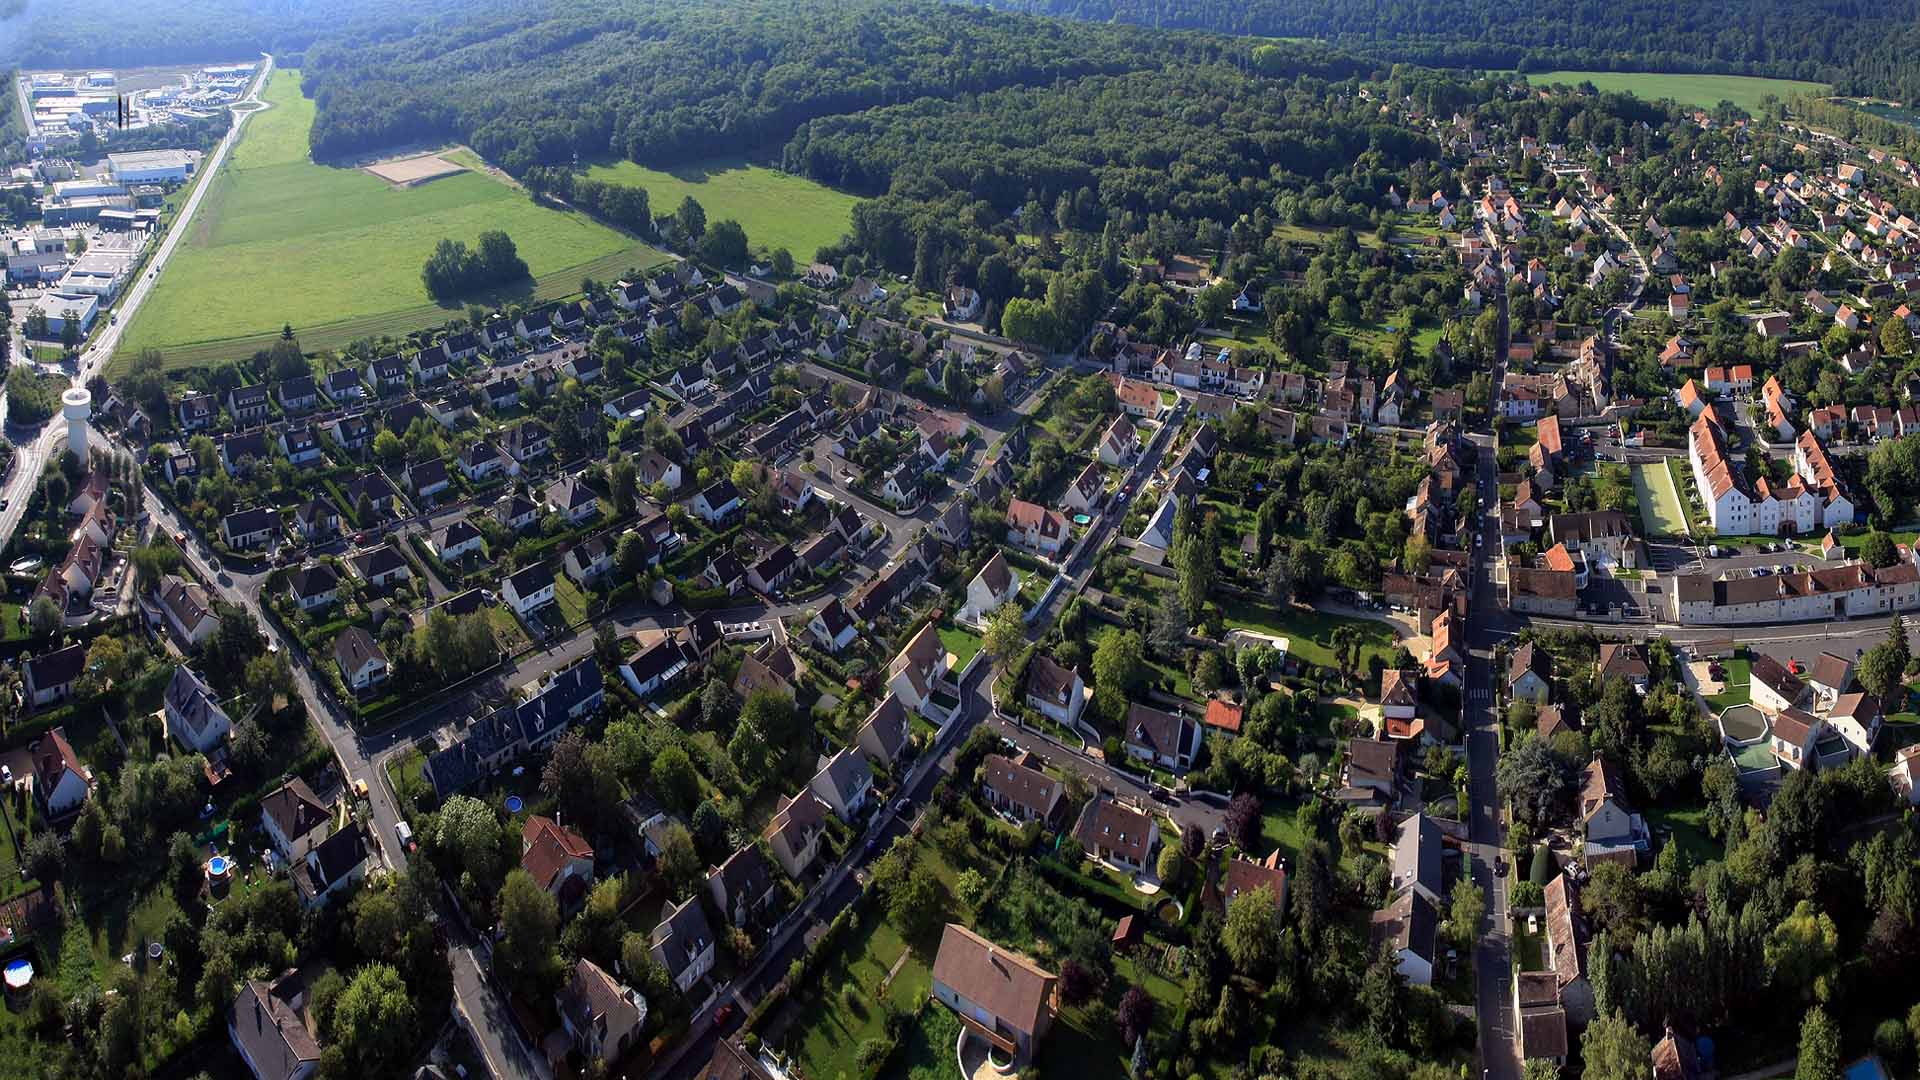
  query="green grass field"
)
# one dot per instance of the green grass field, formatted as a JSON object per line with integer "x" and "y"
{"x": 1704, "y": 91}
{"x": 778, "y": 210}
{"x": 337, "y": 252}
{"x": 1660, "y": 508}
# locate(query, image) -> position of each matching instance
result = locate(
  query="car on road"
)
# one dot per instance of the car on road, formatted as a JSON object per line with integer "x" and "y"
{"x": 360, "y": 788}
{"x": 723, "y": 1014}
{"x": 180, "y": 538}
{"x": 405, "y": 832}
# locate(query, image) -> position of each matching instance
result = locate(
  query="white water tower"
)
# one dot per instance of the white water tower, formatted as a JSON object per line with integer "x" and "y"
{"x": 77, "y": 404}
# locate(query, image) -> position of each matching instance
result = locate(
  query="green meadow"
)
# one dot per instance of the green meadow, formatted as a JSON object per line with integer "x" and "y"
{"x": 337, "y": 252}
{"x": 778, "y": 210}
{"x": 1704, "y": 91}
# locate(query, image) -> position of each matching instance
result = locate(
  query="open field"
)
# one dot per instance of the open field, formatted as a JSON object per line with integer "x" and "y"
{"x": 1660, "y": 508}
{"x": 337, "y": 252}
{"x": 778, "y": 210}
{"x": 1705, "y": 91}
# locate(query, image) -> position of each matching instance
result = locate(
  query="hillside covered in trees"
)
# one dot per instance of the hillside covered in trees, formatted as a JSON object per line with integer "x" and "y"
{"x": 1860, "y": 48}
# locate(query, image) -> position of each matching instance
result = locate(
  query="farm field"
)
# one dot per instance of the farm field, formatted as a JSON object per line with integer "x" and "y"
{"x": 1704, "y": 91}
{"x": 1660, "y": 508}
{"x": 337, "y": 252}
{"x": 778, "y": 210}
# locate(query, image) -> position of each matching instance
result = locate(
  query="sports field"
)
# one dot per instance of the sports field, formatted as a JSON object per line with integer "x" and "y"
{"x": 1704, "y": 91}
{"x": 337, "y": 252}
{"x": 1660, "y": 509}
{"x": 778, "y": 210}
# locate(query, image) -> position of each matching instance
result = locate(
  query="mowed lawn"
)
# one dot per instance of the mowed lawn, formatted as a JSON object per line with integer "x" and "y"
{"x": 1704, "y": 91}
{"x": 337, "y": 252}
{"x": 1660, "y": 508}
{"x": 778, "y": 210}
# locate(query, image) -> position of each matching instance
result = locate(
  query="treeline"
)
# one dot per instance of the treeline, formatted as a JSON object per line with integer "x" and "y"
{"x": 1856, "y": 125}
{"x": 454, "y": 271}
{"x": 1859, "y": 48}
{"x": 661, "y": 82}
{"x": 623, "y": 204}
{"x": 114, "y": 34}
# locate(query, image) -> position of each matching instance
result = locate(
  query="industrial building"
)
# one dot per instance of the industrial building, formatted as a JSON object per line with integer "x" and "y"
{"x": 151, "y": 167}
{"x": 58, "y": 309}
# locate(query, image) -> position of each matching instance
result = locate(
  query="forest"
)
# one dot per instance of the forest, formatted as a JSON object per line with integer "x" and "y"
{"x": 1859, "y": 48}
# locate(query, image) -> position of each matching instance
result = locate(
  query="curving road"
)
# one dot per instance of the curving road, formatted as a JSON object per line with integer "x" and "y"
{"x": 35, "y": 446}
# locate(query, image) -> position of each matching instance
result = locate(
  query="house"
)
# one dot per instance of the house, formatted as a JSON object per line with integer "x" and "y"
{"x": 769, "y": 575}
{"x": 188, "y": 610}
{"x": 1416, "y": 863}
{"x": 1541, "y": 1033}
{"x": 49, "y": 677}
{"x": 362, "y": 663}
{"x": 660, "y": 660}
{"x": 298, "y": 394}
{"x": 1605, "y": 817}
{"x": 573, "y": 499}
{"x": 267, "y": 1025}
{"x": 1120, "y": 444}
{"x": 1161, "y": 739}
{"x": 195, "y": 412}
{"x": 742, "y": 886}
{"x": 566, "y": 696}
{"x": 995, "y": 584}
{"x": 962, "y": 304}
{"x": 1054, "y": 690}
{"x": 482, "y": 461}
{"x": 313, "y": 587}
{"x": 343, "y": 386}
{"x": 1242, "y": 876}
{"x": 455, "y": 540}
{"x": 884, "y": 735}
{"x": 832, "y": 626}
{"x": 241, "y": 453}
{"x": 717, "y": 502}
{"x": 371, "y": 490}
{"x": 683, "y": 943}
{"x": 300, "y": 443}
{"x": 1083, "y": 494}
{"x": 426, "y": 477}
{"x": 1020, "y": 792}
{"x": 1000, "y": 995}
{"x": 589, "y": 560}
{"x": 559, "y": 859}
{"x": 1373, "y": 765}
{"x": 429, "y": 365}
{"x": 526, "y": 442}
{"x": 1410, "y": 927}
{"x": 1625, "y": 660}
{"x": 380, "y": 566}
{"x": 516, "y": 512}
{"x": 602, "y": 1018}
{"x": 1399, "y": 704}
{"x": 1566, "y": 948}
{"x": 914, "y": 673}
{"x": 1113, "y": 832}
{"x": 794, "y": 833}
{"x": 1773, "y": 687}
{"x": 248, "y": 405}
{"x": 349, "y": 433}
{"x": 1529, "y": 674}
{"x": 1676, "y": 1057}
{"x": 1035, "y": 527}
{"x": 652, "y": 467}
{"x": 387, "y": 373}
{"x": 843, "y": 784}
{"x": 331, "y": 867}
{"x": 1856, "y": 718}
{"x": 528, "y": 589}
{"x": 60, "y": 782}
{"x": 249, "y": 528}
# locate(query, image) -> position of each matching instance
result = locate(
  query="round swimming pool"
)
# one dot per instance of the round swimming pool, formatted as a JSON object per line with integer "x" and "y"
{"x": 1744, "y": 724}
{"x": 514, "y": 804}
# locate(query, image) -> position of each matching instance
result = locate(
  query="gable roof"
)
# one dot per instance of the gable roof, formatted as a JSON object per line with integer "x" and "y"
{"x": 1008, "y": 986}
{"x": 271, "y": 1033}
{"x": 1566, "y": 931}
{"x": 1028, "y": 788}
{"x": 547, "y": 847}
{"x": 1108, "y": 823}
{"x": 1599, "y": 785}
{"x": 355, "y": 647}
{"x": 295, "y": 810}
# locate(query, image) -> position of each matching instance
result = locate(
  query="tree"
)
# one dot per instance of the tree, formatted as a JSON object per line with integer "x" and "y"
{"x": 680, "y": 864}
{"x": 673, "y": 777}
{"x": 1135, "y": 1015}
{"x": 1078, "y": 983}
{"x": 1468, "y": 907}
{"x": 1006, "y": 633}
{"x": 1878, "y": 550}
{"x": 1119, "y": 667}
{"x": 1613, "y": 1050}
{"x": 44, "y": 855}
{"x": 917, "y": 906}
{"x": 1884, "y": 667}
{"x": 1243, "y": 819}
{"x": 1802, "y": 948}
{"x": 568, "y": 775}
{"x": 1251, "y": 935}
{"x": 690, "y": 219}
{"x": 1172, "y": 866}
{"x": 530, "y": 927}
{"x": 1819, "y": 1047}
{"x": 725, "y": 243}
{"x": 467, "y": 829}
{"x": 1614, "y": 899}
{"x": 374, "y": 1020}
{"x": 43, "y": 617}
{"x": 1535, "y": 782}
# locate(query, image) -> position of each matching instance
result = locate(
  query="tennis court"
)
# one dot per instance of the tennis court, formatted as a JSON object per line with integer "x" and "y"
{"x": 1660, "y": 509}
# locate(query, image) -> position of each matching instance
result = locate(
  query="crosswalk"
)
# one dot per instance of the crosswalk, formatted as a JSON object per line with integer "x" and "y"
{"x": 1479, "y": 693}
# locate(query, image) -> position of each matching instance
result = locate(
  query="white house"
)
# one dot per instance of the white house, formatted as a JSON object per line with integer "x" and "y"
{"x": 59, "y": 780}
{"x": 833, "y": 627}
{"x": 1054, "y": 690}
{"x": 995, "y": 584}
{"x": 362, "y": 663}
{"x": 529, "y": 588}
{"x": 717, "y": 502}
{"x": 683, "y": 943}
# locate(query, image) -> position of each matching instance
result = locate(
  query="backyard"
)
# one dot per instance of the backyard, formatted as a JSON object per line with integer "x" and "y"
{"x": 1661, "y": 510}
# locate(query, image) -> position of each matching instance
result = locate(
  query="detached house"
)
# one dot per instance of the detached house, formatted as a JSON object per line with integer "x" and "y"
{"x": 60, "y": 782}
{"x": 844, "y": 783}
{"x": 683, "y": 943}
{"x": 1035, "y": 527}
{"x": 1054, "y": 690}
{"x": 362, "y": 663}
{"x": 1161, "y": 738}
{"x": 995, "y": 584}
{"x": 1022, "y": 793}
{"x": 1000, "y": 995}
{"x": 915, "y": 672}
{"x": 1116, "y": 833}
{"x": 194, "y": 718}
{"x": 795, "y": 831}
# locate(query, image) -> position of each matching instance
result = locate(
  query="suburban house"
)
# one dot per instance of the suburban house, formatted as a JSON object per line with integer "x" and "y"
{"x": 381, "y": 566}
{"x": 1000, "y": 995}
{"x": 602, "y": 1019}
{"x": 331, "y": 867}
{"x": 188, "y": 610}
{"x": 1035, "y": 527}
{"x": 742, "y": 886}
{"x": 573, "y": 500}
{"x": 1626, "y": 660}
{"x": 426, "y": 477}
{"x": 884, "y": 735}
{"x": 832, "y": 626}
{"x": 1410, "y": 926}
{"x": 294, "y": 820}
{"x": 1022, "y": 793}
{"x": 455, "y": 540}
{"x": 995, "y": 584}
{"x": 1373, "y": 766}
{"x": 362, "y": 663}
{"x": 49, "y": 677}
{"x": 795, "y": 831}
{"x": 559, "y": 860}
{"x": 843, "y": 783}
{"x": 1054, "y": 690}
{"x": 1607, "y": 820}
{"x": 1160, "y": 738}
{"x": 1773, "y": 687}
{"x": 528, "y": 589}
{"x": 914, "y": 672}
{"x": 193, "y": 714}
{"x": 249, "y": 528}
{"x": 60, "y": 782}
{"x": 1566, "y": 948}
{"x": 659, "y": 659}
{"x": 683, "y": 943}
{"x": 1530, "y": 674}
{"x": 1120, "y": 444}
{"x": 719, "y": 501}
{"x": 483, "y": 460}
{"x": 1114, "y": 832}
{"x": 1243, "y": 875}
{"x": 301, "y": 443}
{"x": 267, "y": 1025}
